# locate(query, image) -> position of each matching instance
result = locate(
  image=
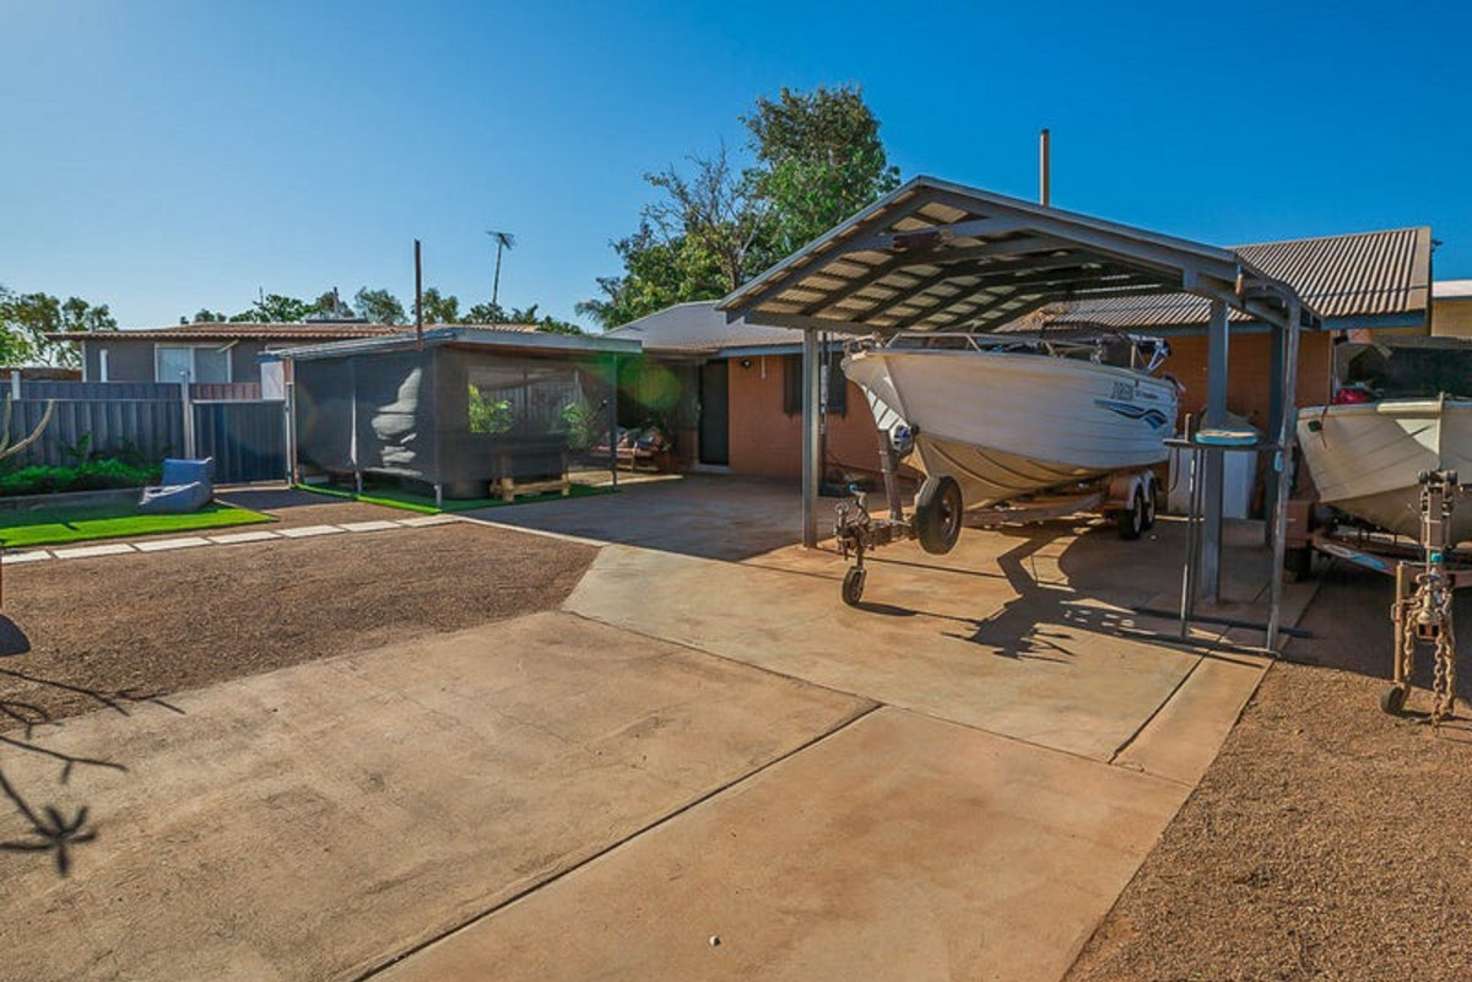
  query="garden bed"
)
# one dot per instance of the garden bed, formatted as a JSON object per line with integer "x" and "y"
{"x": 56, "y": 526}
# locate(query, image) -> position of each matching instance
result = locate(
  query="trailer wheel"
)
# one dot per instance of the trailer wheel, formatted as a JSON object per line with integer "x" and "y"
{"x": 1131, "y": 521}
{"x": 853, "y": 585}
{"x": 938, "y": 514}
{"x": 1393, "y": 700}
{"x": 1150, "y": 506}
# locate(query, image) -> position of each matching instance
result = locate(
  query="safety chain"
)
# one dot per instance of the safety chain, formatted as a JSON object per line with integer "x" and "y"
{"x": 1444, "y": 688}
{"x": 1430, "y": 606}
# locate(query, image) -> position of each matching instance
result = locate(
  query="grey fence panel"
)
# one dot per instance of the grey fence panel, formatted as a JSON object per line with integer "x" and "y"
{"x": 153, "y": 429}
{"x": 97, "y": 390}
{"x": 247, "y": 439}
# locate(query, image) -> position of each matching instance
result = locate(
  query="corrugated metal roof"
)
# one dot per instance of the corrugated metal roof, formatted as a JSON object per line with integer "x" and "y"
{"x": 489, "y": 336}
{"x": 1359, "y": 275}
{"x": 243, "y": 331}
{"x": 937, "y": 255}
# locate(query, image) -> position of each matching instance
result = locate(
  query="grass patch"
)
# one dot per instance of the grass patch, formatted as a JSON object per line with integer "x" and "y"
{"x": 54, "y": 526}
{"x": 409, "y": 501}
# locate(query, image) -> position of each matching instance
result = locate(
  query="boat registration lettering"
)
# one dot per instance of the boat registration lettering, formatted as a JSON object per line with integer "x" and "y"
{"x": 1124, "y": 390}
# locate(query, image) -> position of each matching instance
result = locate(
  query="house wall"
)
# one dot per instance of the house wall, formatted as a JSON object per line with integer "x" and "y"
{"x": 1249, "y": 383}
{"x": 127, "y": 361}
{"x": 767, "y": 442}
{"x": 132, "y": 361}
{"x": 1452, "y": 317}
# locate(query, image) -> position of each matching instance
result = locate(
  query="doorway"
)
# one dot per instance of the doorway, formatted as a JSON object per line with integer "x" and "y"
{"x": 715, "y": 413}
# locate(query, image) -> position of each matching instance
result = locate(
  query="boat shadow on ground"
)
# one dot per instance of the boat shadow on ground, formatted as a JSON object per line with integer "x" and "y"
{"x": 1048, "y": 620}
{"x": 50, "y": 832}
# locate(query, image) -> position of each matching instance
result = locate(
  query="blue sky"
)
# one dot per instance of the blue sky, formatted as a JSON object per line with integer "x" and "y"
{"x": 161, "y": 157}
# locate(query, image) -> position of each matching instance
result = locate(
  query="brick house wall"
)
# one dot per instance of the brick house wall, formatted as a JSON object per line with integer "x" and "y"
{"x": 1248, "y": 385}
{"x": 767, "y": 442}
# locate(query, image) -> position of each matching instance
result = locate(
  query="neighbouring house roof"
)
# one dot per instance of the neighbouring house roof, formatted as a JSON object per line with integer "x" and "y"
{"x": 697, "y": 328}
{"x": 1452, "y": 290}
{"x": 303, "y": 332}
{"x": 1360, "y": 276}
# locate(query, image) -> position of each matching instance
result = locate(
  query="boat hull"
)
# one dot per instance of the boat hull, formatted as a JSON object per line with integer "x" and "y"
{"x": 1005, "y": 424}
{"x": 1365, "y": 458}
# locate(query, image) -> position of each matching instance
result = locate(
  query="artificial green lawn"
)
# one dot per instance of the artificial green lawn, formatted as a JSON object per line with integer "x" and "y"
{"x": 398, "y": 498}
{"x": 54, "y": 526}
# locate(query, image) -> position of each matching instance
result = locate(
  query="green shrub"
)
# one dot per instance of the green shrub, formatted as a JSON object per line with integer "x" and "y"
{"x": 91, "y": 475}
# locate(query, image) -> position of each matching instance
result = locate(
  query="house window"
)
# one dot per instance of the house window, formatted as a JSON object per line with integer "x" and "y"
{"x": 833, "y": 385}
{"x": 197, "y": 363}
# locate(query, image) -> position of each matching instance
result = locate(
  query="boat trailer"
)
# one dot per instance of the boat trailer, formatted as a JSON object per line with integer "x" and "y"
{"x": 939, "y": 514}
{"x": 1427, "y": 574}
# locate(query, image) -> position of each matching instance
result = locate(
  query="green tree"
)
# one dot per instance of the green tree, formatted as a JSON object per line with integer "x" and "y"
{"x": 27, "y": 318}
{"x": 706, "y": 235}
{"x": 819, "y": 160}
{"x": 329, "y": 304}
{"x": 275, "y": 308}
{"x": 440, "y": 309}
{"x": 379, "y": 306}
{"x": 494, "y": 313}
{"x": 205, "y": 316}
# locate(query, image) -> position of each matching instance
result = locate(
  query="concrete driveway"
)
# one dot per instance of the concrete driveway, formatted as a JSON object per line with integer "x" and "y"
{"x": 703, "y": 766}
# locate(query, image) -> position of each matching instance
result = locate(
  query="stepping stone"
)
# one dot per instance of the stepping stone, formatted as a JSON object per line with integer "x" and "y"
{"x": 26, "y": 557}
{"x": 87, "y": 552}
{"x": 425, "y": 520}
{"x": 376, "y": 526}
{"x": 305, "y": 531}
{"x": 235, "y": 538}
{"x": 163, "y": 545}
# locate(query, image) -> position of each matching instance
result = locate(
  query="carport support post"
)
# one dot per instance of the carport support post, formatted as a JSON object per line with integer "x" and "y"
{"x": 1217, "y": 353}
{"x": 1277, "y": 378}
{"x": 1283, "y": 464}
{"x": 811, "y": 439}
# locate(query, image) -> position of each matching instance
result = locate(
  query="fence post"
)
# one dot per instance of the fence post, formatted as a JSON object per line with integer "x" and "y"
{"x": 15, "y": 384}
{"x": 187, "y": 407}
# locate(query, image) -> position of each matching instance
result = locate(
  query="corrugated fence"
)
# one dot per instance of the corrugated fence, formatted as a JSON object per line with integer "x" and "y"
{"x": 247, "y": 438}
{"x": 100, "y": 418}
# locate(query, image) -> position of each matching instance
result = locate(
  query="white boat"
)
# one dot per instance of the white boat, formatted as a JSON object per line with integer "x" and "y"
{"x": 1365, "y": 457}
{"x": 1005, "y": 418}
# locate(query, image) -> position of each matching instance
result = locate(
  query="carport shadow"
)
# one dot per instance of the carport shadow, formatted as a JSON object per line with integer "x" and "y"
{"x": 1020, "y": 629}
{"x": 50, "y": 831}
{"x": 1041, "y": 620}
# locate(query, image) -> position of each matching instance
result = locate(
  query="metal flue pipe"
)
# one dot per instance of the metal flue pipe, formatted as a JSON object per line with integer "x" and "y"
{"x": 1045, "y": 176}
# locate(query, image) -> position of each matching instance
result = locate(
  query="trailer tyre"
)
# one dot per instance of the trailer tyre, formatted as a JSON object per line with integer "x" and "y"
{"x": 853, "y": 585}
{"x": 938, "y": 514}
{"x": 1131, "y": 520}
{"x": 1150, "y": 506}
{"x": 1393, "y": 700}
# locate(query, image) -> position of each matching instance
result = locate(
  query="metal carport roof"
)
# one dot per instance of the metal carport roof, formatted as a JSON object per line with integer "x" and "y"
{"x": 933, "y": 255}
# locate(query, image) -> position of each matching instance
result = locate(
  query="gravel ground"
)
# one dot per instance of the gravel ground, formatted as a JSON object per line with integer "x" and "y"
{"x": 1328, "y": 840}
{"x": 82, "y": 631}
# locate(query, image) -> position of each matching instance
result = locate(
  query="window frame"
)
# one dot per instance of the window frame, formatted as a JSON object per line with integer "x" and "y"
{"x": 193, "y": 350}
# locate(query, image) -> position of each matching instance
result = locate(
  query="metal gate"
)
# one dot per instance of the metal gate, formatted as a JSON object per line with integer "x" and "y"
{"x": 247, "y": 439}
